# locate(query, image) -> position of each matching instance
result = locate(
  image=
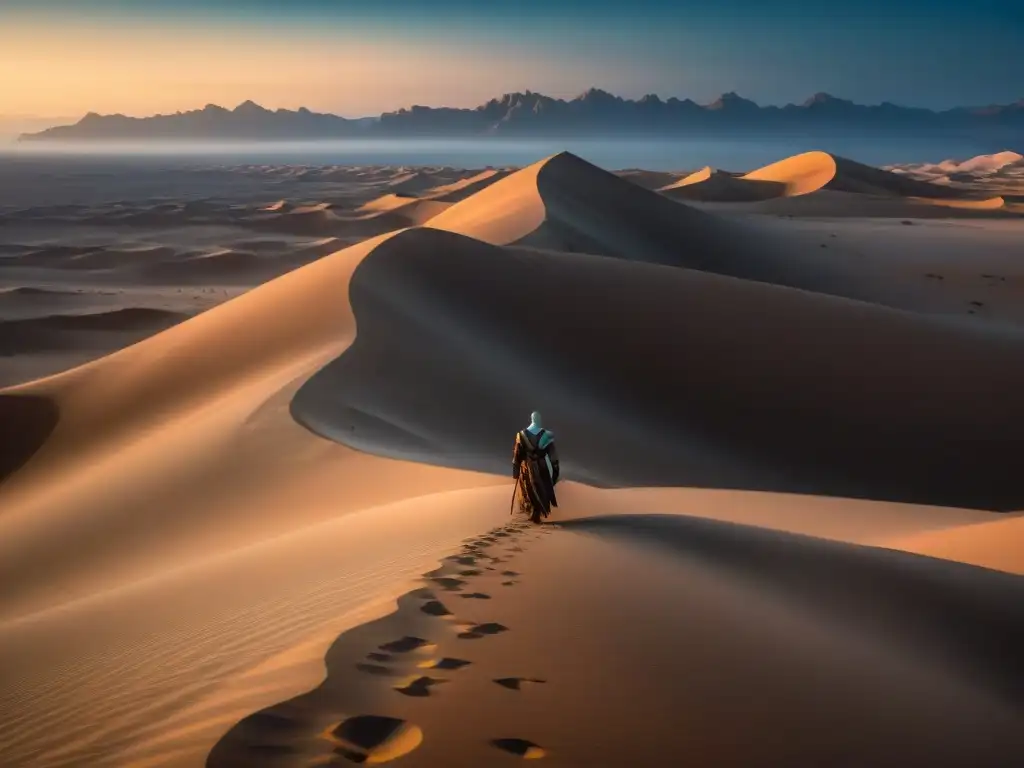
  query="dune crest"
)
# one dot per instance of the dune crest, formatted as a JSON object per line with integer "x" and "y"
{"x": 565, "y": 203}
{"x": 800, "y": 174}
{"x": 811, "y": 173}
{"x": 711, "y": 427}
{"x": 982, "y": 163}
{"x": 411, "y": 210}
{"x": 223, "y": 515}
{"x": 709, "y": 184}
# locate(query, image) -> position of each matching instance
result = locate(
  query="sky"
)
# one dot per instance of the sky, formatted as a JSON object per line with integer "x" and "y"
{"x": 364, "y": 57}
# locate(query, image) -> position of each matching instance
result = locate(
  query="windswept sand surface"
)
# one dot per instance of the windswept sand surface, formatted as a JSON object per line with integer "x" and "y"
{"x": 790, "y": 424}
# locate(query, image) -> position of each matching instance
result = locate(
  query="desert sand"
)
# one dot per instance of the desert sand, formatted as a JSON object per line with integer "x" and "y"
{"x": 259, "y": 513}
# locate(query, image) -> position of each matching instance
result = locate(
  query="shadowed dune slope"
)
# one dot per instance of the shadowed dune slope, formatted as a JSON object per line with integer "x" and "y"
{"x": 723, "y": 628}
{"x": 914, "y": 599}
{"x": 26, "y": 422}
{"x": 660, "y": 376}
{"x": 55, "y": 332}
{"x": 566, "y": 204}
{"x": 852, "y": 176}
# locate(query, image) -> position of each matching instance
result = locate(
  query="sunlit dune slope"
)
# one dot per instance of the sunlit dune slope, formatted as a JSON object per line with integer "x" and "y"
{"x": 149, "y": 453}
{"x": 714, "y": 185}
{"x": 800, "y": 174}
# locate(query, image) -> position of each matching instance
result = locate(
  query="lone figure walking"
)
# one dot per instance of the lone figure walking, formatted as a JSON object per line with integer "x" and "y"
{"x": 535, "y": 469}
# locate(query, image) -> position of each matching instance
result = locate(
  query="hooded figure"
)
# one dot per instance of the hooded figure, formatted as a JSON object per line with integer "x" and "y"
{"x": 535, "y": 467}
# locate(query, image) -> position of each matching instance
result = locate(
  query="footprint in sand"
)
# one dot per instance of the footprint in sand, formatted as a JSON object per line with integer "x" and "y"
{"x": 407, "y": 644}
{"x": 446, "y": 663}
{"x": 517, "y": 683}
{"x": 465, "y": 560}
{"x": 475, "y": 596}
{"x": 510, "y": 573}
{"x": 380, "y": 656}
{"x": 470, "y": 572}
{"x": 509, "y": 583}
{"x": 375, "y": 738}
{"x": 418, "y": 686}
{"x": 448, "y": 583}
{"x": 521, "y": 747}
{"x": 435, "y": 608}
{"x": 474, "y": 631}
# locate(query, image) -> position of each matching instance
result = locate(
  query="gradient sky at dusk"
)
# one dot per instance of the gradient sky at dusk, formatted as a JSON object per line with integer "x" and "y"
{"x": 66, "y": 57}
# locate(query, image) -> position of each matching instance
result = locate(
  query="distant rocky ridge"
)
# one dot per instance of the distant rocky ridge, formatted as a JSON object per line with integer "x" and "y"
{"x": 595, "y": 112}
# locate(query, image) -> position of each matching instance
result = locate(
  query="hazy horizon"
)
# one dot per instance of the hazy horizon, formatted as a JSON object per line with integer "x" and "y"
{"x": 156, "y": 56}
{"x": 738, "y": 154}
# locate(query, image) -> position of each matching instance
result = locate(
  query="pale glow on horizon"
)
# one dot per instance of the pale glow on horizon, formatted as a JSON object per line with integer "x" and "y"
{"x": 140, "y": 71}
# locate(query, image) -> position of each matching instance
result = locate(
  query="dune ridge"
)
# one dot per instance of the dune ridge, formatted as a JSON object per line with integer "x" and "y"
{"x": 705, "y": 426}
{"x": 218, "y": 504}
{"x": 812, "y": 172}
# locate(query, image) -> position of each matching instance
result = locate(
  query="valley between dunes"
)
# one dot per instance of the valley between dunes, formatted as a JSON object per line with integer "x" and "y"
{"x": 254, "y": 475}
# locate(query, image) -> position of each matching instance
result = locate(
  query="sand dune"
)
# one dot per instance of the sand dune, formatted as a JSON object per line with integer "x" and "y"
{"x": 981, "y": 163}
{"x": 463, "y": 188}
{"x": 176, "y": 426}
{"x": 210, "y": 511}
{"x": 564, "y": 203}
{"x": 791, "y": 177}
{"x": 411, "y": 209}
{"x": 650, "y": 179}
{"x": 812, "y": 172}
{"x": 316, "y": 221}
{"x": 715, "y": 185}
{"x": 269, "y": 335}
{"x": 994, "y": 543}
{"x": 416, "y": 181}
{"x": 857, "y": 177}
{"x": 504, "y": 634}
{"x": 987, "y": 204}
{"x": 693, "y": 420}
{"x": 802, "y": 174}
{"x": 373, "y": 218}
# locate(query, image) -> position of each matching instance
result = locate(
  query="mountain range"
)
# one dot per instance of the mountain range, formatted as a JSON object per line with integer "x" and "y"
{"x": 595, "y": 112}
